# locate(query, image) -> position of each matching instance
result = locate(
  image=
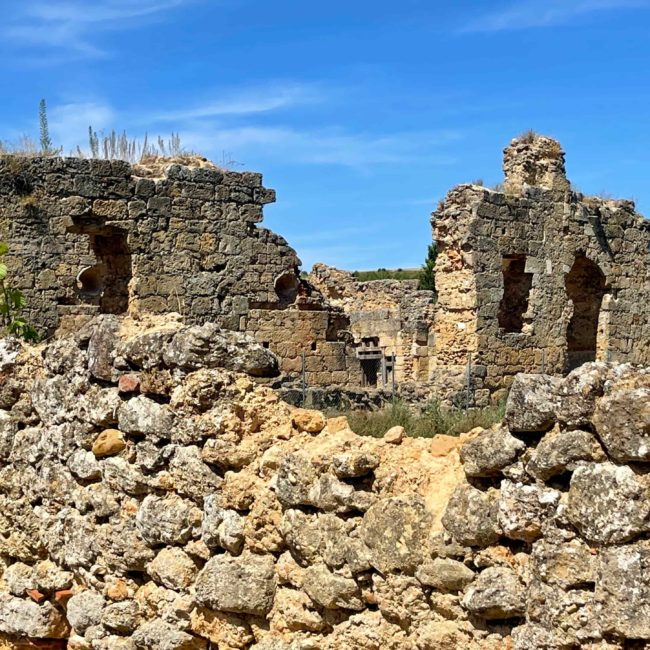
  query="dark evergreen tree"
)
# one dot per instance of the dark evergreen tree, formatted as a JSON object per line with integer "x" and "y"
{"x": 427, "y": 273}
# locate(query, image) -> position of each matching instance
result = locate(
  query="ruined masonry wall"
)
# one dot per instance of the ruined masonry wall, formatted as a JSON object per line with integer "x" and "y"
{"x": 549, "y": 226}
{"x": 153, "y": 497}
{"x": 190, "y": 240}
{"x": 396, "y": 313}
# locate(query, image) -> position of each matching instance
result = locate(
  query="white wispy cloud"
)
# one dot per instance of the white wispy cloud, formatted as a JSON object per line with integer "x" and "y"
{"x": 246, "y": 101}
{"x": 234, "y": 125}
{"x": 322, "y": 146}
{"x": 546, "y": 13}
{"x": 73, "y": 25}
{"x": 69, "y": 123}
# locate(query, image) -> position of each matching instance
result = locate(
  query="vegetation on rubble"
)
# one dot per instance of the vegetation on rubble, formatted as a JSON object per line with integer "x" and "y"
{"x": 432, "y": 420}
{"x": 12, "y": 303}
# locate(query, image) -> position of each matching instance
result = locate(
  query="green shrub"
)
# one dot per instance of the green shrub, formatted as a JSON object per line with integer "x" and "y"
{"x": 12, "y": 303}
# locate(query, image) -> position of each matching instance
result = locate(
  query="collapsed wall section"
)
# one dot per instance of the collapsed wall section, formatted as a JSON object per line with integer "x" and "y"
{"x": 153, "y": 497}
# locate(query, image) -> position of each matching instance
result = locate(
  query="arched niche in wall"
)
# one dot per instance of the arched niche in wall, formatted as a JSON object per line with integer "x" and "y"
{"x": 585, "y": 287}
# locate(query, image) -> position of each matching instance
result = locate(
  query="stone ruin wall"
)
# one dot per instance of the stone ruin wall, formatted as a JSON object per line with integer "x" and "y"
{"x": 95, "y": 236}
{"x": 515, "y": 265}
{"x": 396, "y": 314}
{"x": 153, "y": 497}
{"x": 185, "y": 239}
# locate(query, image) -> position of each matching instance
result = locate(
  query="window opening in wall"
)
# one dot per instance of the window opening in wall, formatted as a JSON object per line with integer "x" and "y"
{"x": 286, "y": 287}
{"x": 106, "y": 283}
{"x": 516, "y": 292}
{"x": 585, "y": 286}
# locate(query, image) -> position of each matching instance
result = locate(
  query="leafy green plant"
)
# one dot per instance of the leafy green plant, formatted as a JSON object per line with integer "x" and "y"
{"x": 12, "y": 303}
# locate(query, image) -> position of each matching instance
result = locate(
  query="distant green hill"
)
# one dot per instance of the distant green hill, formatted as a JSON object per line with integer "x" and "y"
{"x": 388, "y": 274}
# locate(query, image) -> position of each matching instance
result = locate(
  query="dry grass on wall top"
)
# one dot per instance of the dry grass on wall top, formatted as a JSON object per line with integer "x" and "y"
{"x": 425, "y": 423}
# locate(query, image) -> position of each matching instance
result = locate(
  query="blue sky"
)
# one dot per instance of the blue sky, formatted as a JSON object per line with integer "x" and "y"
{"x": 360, "y": 114}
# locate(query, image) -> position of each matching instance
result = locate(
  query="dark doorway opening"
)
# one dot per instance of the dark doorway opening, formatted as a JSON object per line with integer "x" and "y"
{"x": 370, "y": 369}
{"x": 585, "y": 287}
{"x": 516, "y": 291}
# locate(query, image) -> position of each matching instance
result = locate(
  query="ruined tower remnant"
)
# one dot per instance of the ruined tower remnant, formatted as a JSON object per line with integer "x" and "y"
{"x": 536, "y": 276}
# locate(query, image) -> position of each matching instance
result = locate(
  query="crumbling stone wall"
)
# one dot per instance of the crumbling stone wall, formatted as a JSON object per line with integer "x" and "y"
{"x": 396, "y": 315}
{"x": 153, "y": 497}
{"x": 537, "y": 276}
{"x": 190, "y": 237}
{"x": 96, "y": 236}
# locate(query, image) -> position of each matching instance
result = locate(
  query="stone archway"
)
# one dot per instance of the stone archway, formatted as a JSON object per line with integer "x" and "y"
{"x": 585, "y": 287}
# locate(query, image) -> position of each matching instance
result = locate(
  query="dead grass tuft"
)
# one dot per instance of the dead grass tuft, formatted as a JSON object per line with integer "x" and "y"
{"x": 425, "y": 423}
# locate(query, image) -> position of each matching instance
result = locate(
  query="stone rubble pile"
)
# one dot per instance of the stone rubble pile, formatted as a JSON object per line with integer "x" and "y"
{"x": 153, "y": 495}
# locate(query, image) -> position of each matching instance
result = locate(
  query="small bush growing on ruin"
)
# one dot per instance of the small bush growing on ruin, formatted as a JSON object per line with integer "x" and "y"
{"x": 427, "y": 275}
{"x": 425, "y": 423}
{"x": 12, "y": 303}
{"x": 528, "y": 136}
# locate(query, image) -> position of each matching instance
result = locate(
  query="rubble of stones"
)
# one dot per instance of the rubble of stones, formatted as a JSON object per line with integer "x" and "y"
{"x": 154, "y": 496}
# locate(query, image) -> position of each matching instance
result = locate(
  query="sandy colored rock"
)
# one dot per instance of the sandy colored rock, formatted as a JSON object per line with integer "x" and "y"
{"x": 109, "y": 442}
{"x": 308, "y": 420}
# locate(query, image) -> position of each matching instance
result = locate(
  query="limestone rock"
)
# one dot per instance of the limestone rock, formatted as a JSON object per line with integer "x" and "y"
{"x": 173, "y": 569}
{"x": 561, "y": 451}
{"x": 242, "y": 585}
{"x": 222, "y": 527}
{"x": 122, "y": 617}
{"x": 27, "y": 618}
{"x": 295, "y": 478}
{"x": 522, "y": 509}
{"x": 532, "y": 403}
{"x": 170, "y": 520}
{"x": 159, "y": 635}
{"x": 578, "y": 393}
{"x": 308, "y": 420}
{"x": 496, "y": 594}
{"x": 471, "y": 516}
{"x": 221, "y": 628}
{"x": 331, "y": 591}
{"x": 85, "y": 609}
{"x": 101, "y": 347}
{"x": 568, "y": 565}
{"x": 491, "y": 452}
{"x": 395, "y": 435}
{"x": 623, "y": 591}
{"x": 622, "y": 419}
{"x": 141, "y": 415}
{"x": 109, "y": 443}
{"x": 444, "y": 574}
{"x": 207, "y": 346}
{"x": 608, "y": 504}
{"x": 354, "y": 464}
{"x": 396, "y": 531}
